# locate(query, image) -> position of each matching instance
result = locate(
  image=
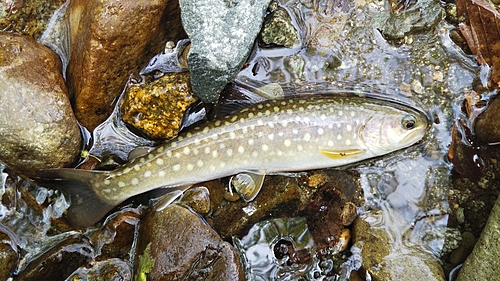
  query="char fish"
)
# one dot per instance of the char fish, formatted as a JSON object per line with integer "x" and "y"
{"x": 296, "y": 134}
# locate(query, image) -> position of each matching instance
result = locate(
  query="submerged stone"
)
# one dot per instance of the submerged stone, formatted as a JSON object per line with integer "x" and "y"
{"x": 175, "y": 244}
{"x": 156, "y": 109}
{"x": 222, "y": 34}
{"x": 110, "y": 40}
{"x": 37, "y": 127}
{"x": 278, "y": 29}
{"x": 487, "y": 125}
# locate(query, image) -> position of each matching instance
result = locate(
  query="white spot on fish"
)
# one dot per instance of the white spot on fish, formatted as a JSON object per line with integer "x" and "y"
{"x": 229, "y": 152}
{"x": 222, "y": 164}
{"x": 151, "y": 156}
{"x": 295, "y": 131}
{"x": 161, "y": 148}
{"x": 241, "y": 149}
{"x": 288, "y": 142}
{"x": 121, "y": 184}
{"x": 340, "y": 113}
{"x": 147, "y": 174}
{"x": 199, "y": 163}
{"x": 190, "y": 167}
{"x": 348, "y": 128}
{"x": 307, "y": 137}
{"x": 250, "y": 141}
{"x": 276, "y": 109}
{"x": 197, "y": 141}
{"x": 162, "y": 173}
{"x": 320, "y": 131}
{"x": 135, "y": 181}
{"x": 205, "y": 130}
{"x": 232, "y": 135}
{"x": 159, "y": 161}
{"x": 177, "y": 155}
{"x": 289, "y": 111}
{"x": 137, "y": 168}
{"x": 271, "y": 136}
{"x": 217, "y": 123}
{"x": 339, "y": 137}
{"x": 176, "y": 167}
{"x": 207, "y": 150}
{"x": 255, "y": 154}
{"x": 215, "y": 154}
{"x": 169, "y": 154}
{"x": 107, "y": 182}
{"x": 322, "y": 117}
{"x": 260, "y": 122}
{"x": 127, "y": 170}
{"x": 173, "y": 144}
{"x": 330, "y": 143}
{"x": 195, "y": 151}
{"x": 299, "y": 147}
{"x": 265, "y": 147}
{"x": 186, "y": 150}
{"x": 348, "y": 142}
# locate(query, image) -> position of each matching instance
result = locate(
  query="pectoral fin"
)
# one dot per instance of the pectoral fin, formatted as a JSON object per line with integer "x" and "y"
{"x": 247, "y": 184}
{"x": 341, "y": 153}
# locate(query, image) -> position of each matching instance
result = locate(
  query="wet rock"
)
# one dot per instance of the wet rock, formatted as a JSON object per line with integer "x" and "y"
{"x": 384, "y": 260}
{"x": 421, "y": 16}
{"x": 222, "y": 34}
{"x": 8, "y": 256}
{"x": 156, "y": 109}
{"x": 487, "y": 125}
{"x": 278, "y": 29}
{"x": 460, "y": 254}
{"x": 109, "y": 270}
{"x": 175, "y": 244}
{"x": 331, "y": 208}
{"x": 73, "y": 253}
{"x": 198, "y": 198}
{"x": 483, "y": 262}
{"x": 27, "y": 17}
{"x": 37, "y": 126}
{"x": 109, "y": 41}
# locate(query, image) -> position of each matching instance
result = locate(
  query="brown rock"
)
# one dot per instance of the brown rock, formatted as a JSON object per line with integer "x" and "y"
{"x": 157, "y": 108}
{"x": 487, "y": 125}
{"x": 109, "y": 41}
{"x": 198, "y": 198}
{"x": 175, "y": 244}
{"x": 8, "y": 256}
{"x": 37, "y": 126}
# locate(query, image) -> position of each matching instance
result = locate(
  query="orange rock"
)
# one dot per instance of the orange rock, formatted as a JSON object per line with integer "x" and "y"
{"x": 109, "y": 41}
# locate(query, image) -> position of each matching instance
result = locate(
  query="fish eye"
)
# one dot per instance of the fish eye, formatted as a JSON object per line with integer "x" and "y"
{"x": 409, "y": 122}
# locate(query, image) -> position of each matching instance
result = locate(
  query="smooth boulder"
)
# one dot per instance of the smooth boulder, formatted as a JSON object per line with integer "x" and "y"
{"x": 37, "y": 126}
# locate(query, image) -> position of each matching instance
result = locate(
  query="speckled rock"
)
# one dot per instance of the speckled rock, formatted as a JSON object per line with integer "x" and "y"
{"x": 109, "y": 41}
{"x": 27, "y": 17}
{"x": 175, "y": 244}
{"x": 385, "y": 261}
{"x": 278, "y": 29}
{"x": 483, "y": 263}
{"x": 198, "y": 199}
{"x": 222, "y": 34}
{"x": 37, "y": 126}
{"x": 156, "y": 109}
{"x": 487, "y": 125}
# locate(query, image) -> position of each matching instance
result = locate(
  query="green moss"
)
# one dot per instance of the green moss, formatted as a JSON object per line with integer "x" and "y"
{"x": 145, "y": 264}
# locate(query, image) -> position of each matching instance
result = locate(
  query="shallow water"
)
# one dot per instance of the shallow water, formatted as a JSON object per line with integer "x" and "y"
{"x": 342, "y": 48}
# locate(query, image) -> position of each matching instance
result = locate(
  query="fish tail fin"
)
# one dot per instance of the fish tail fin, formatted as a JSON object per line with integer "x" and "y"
{"x": 87, "y": 206}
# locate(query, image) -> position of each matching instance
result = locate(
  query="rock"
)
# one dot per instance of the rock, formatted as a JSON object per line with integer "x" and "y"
{"x": 487, "y": 126}
{"x": 27, "y": 17}
{"x": 8, "y": 256}
{"x": 156, "y": 109}
{"x": 175, "y": 244}
{"x": 483, "y": 262}
{"x": 109, "y": 270}
{"x": 278, "y": 29}
{"x": 384, "y": 260}
{"x": 37, "y": 126}
{"x": 222, "y": 34}
{"x": 420, "y": 16}
{"x": 198, "y": 198}
{"x": 109, "y": 41}
{"x": 73, "y": 253}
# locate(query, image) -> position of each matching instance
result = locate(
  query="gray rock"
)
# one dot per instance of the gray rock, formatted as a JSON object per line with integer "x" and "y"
{"x": 37, "y": 126}
{"x": 222, "y": 33}
{"x": 483, "y": 263}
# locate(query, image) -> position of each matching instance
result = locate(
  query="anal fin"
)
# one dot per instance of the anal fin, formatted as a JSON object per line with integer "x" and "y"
{"x": 342, "y": 153}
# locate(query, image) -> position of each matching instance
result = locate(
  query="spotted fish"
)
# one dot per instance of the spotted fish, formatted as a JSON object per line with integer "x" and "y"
{"x": 297, "y": 134}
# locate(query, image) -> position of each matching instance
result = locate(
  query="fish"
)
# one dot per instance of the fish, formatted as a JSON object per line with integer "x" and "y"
{"x": 284, "y": 135}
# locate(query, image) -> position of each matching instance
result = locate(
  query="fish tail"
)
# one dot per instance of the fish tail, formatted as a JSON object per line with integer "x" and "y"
{"x": 87, "y": 206}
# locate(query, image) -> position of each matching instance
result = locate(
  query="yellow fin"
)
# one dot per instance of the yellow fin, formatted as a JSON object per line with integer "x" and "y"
{"x": 341, "y": 153}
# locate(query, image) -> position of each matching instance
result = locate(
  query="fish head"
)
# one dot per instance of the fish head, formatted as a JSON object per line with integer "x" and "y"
{"x": 393, "y": 129}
